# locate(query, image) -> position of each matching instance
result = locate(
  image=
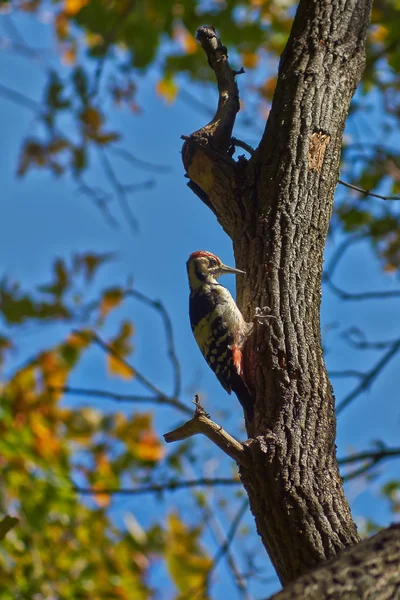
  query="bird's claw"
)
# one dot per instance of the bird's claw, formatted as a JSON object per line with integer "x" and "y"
{"x": 262, "y": 314}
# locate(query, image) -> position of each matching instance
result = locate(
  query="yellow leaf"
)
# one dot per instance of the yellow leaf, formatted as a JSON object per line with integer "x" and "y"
{"x": 378, "y": 34}
{"x": 250, "y": 59}
{"x": 79, "y": 341}
{"x": 149, "y": 447}
{"x": 102, "y": 500}
{"x": 187, "y": 562}
{"x": 111, "y": 298}
{"x": 186, "y": 39}
{"x": 71, "y": 7}
{"x": 167, "y": 89}
{"x": 121, "y": 345}
{"x": 118, "y": 368}
{"x": 46, "y": 442}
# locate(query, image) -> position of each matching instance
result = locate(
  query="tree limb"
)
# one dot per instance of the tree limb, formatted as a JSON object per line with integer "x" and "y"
{"x": 201, "y": 423}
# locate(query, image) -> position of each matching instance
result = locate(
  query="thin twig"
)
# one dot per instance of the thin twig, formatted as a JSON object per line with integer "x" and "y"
{"x": 367, "y": 192}
{"x": 222, "y": 550}
{"x": 19, "y": 98}
{"x": 370, "y": 376}
{"x": 134, "y": 398}
{"x": 373, "y": 455}
{"x": 142, "y": 164}
{"x": 171, "y": 351}
{"x": 135, "y": 373}
{"x": 244, "y": 145}
{"x": 169, "y": 486}
{"x": 219, "y": 536}
{"x": 99, "y": 197}
{"x": 202, "y": 424}
{"x": 338, "y": 254}
{"x": 374, "y": 295}
{"x": 119, "y": 190}
{"x": 347, "y": 373}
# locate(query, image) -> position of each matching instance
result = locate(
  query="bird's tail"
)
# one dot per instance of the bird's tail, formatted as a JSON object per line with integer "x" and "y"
{"x": 243, "y": 394}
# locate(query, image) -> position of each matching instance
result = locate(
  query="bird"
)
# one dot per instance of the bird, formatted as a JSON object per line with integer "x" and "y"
{"x": 218, "y": 325}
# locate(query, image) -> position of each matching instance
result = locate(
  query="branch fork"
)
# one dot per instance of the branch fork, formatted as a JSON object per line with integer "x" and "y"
{"x": 201, "y": 423}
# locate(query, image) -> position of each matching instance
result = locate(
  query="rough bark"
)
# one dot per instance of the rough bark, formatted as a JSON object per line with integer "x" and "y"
{"x": 368, "y": 571}
{"x": 276, "y": 209}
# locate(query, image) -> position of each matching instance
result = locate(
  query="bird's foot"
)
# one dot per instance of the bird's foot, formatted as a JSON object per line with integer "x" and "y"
{"x": 261, "y": 315}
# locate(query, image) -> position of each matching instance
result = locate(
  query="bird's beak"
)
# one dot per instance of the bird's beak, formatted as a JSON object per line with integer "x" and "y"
{"x": 225, "y": 269}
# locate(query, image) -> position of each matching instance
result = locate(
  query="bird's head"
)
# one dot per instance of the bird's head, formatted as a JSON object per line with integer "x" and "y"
{"x": 204, "y": 267}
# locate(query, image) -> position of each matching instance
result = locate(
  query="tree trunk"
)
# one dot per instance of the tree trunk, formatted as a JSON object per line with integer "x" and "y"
{"x": 276, "y": 209}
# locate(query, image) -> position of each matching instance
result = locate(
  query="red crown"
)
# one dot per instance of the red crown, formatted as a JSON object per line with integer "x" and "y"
{"x": 200, "y": 253}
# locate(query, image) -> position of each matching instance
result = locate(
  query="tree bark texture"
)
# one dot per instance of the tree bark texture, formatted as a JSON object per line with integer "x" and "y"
{"x": 276, "y": 209}
{"x": 368, "y": 571}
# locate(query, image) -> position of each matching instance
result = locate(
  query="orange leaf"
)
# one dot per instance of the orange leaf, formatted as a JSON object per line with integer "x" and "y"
{"x": 111, "y": 298}
{"x": 186, "y": 39}
{"x": 149, "y": 447}
{"x": 167, "y": 89}
{"x": 71, "y": 7}
{"x": 118, "y": 368}
{"x": 250, "y": 59}
{"x": 121, "y": 345}
{"x": 47, "y": 444}
{"x": 102, "y": 500}
{"x": 69, "y": 55}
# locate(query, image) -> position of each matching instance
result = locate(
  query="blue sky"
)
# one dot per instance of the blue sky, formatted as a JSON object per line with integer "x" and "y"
{"x": 44, "y": 218}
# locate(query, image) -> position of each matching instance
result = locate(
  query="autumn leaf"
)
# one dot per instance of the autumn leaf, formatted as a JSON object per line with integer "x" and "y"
{"x": 187, "y": 562}
{"x": 111, "y": 299}
{"x": 249, "y": 59}
{"x": 167, "y": 89}
{"x": 71, "y": 7}
{"x": 186, "y": 39}
{"x": 47, "y": 443}
{"x": 121, "y": 345}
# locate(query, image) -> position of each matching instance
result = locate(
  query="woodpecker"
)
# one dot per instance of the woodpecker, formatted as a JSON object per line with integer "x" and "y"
{"x": 218, "y": 325}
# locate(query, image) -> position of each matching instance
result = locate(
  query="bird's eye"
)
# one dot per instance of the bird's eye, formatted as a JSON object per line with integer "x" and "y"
{"x": 213, "y": 262}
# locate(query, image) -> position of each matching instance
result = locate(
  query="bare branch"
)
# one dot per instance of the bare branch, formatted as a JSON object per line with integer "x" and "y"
{"x": 19, "y": 98}
{"x": 119, "y": 190}
{"x": 99, "y": 197}
{"x": 244, "y": 145}
{"x": 193, "y": 593}
{"x": 347, "y": 373}
{"x": 76, "y": 391}
{"x": 202, "y": 424}
{"x": 339, "y": 253}
{"x": 219, "y": 129}
{"x": 139, "y": 162}
{"x": 219, "y": 536}
{"x": 135, "y": 373}
{"x": 169, "y": 486}
{"x": 378, "y": 295}
{"x": 372, "y": 455}
{"x": 370, "y": 376}
{"x": 372, "y": 458}
{"x": 159, "y": 306}
{"x": 361, "y": 343}
{"x": 367, "y": 192}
